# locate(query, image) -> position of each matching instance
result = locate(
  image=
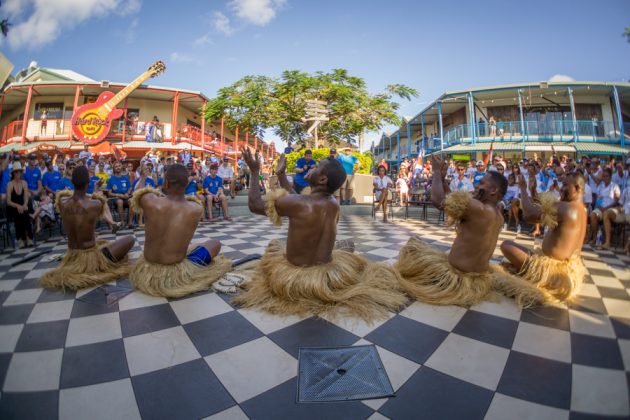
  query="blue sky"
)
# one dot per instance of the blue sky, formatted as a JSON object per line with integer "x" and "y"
{"x": 431, "y": 46}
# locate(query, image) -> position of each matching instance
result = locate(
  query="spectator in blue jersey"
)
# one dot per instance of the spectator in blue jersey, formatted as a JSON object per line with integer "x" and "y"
{"x": 302, "y": 166}
{"x": 119, "y": 191}
{"x": 350, "y": 164}
{"x": 33, "y": 176}
{"x": 5, "y": 171}
{"x": 144, "y": 179}
{"x": 213, "y": 187}
{"x": 95, "y": 181}
{"x": 480, "y": 173}
{"x": 65, "y": 183}
{"x": 193, "y": 180}
{"x": 50, "y": 180}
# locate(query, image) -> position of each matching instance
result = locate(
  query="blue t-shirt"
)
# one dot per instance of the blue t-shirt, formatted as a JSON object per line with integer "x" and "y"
{"x": 301, "y": 163}
{"x": 32, "y": 176}
{"x": 51, "y": 180}
{"x": 149, "y": 182}
{"x": 477, "y": 177}
{"x": 6, "y": 177}
{"x": 92, "y": 185}
{"x": 348, "y": 162}
{"x": 119, "y": 184}
{"x": 212, "y": 184}
{"x": 66, "y": 184}
{"x": 191, "y": 189}
{"x": 160, "y": 182}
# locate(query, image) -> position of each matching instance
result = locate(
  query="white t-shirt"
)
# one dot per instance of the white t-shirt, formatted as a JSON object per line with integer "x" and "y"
{"x": 470, "y": 172}
{"x": 625, "y": 200}
{"x": 464, "y": 184}
{"x": 225, "y": 172}
{"x": 381, "y": 183}
{"x": 606, "y": 194}
{"x": 588, "y": 194}
{"x": 511, "y": 193}
{"x": 591, "y": 179}
{"x": 620, "y": 180}
{"x": 401, "y": 184}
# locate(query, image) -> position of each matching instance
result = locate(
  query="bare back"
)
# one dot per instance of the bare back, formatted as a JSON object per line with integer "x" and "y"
{"x": 312, "y": 228}
{"x": 79, "y": 216}
{"x": 476, "y": 238}
{"x": 170, "y": 224}
{"x": 567, "y": 238}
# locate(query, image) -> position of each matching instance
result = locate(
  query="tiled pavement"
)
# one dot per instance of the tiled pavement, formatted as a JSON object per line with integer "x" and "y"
{"x": 199, "y": 357}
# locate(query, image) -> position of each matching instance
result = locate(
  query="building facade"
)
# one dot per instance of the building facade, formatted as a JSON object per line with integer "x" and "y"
{"x": 579, "y": 118}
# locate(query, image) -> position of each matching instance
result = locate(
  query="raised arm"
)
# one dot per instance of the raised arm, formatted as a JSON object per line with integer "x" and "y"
{"x": 254, "y": 199}
{"x": 438, "y": 188}
{"x": 532, "y": 213}
{"x": 282, "y": 176}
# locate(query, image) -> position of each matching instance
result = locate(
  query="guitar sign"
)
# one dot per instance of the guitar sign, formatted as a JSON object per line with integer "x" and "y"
{"x": 91, "y": 122}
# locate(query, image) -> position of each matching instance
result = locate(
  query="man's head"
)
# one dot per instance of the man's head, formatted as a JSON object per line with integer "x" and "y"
{"x": 461, "y": 171}
{"x": 328, "y": 174}
{"x": 80, "y": 178}
{"x": 381, "y": 170}
{"x": 70, "y": 166}
{"x": 117, "y": 168}
{"x": 226, "y": 161}
{"x": 176, "y": 179}
{"x": 308, "y": 155}
{"x": 607, "y": 175}
{"x": 214, "y": 168}
{"x": 333, "y": 153}
{"x": 49, "y": 165}
{"x": 92, "y": 168}
{"x": 573, "y": 187}
{"x": 32, "y": 160}
{"x": 480, "y": 165}
{"x": 491, "y": 188}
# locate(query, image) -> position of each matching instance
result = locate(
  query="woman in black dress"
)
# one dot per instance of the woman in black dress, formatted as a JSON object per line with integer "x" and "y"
{"x": 17, "y": 206}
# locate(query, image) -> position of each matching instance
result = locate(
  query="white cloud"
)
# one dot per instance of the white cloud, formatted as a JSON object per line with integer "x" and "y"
{"x": 257, "y": 12}
{"x": 131, "y": 32}
{"x": 49, "y": 19}
{"x": 203, "y": 40}
{"x": 177, "y": 57}
{"x": 561, "y": 78}
{"x": 222, "y": 23}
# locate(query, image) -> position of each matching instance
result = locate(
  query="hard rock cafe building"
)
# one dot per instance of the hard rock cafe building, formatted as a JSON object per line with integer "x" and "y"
{"x": 37, "y": 105}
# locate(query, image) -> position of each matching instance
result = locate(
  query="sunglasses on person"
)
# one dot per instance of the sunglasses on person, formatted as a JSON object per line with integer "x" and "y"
{"x": 460, "y": 169}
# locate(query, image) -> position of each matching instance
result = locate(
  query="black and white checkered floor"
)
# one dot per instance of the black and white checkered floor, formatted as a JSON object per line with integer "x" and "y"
{"x": 199, "y": 357}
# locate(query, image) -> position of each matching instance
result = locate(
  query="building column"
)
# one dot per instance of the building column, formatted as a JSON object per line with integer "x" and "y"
{"x": 174, "y": 119}
{"x": 520, "y": 110}
{"x": 409, "y": 140}
{"x": 74, "y": 108}
{"x": 398, "y": 145}
{"x": 573, "y": 116}
{"x": 422, "y": 132}
{"x": 26, "y": 108}
{"x": 622, "y": 137}
{"x": 203, "y": 130}
{"x": 390, "y": 147}
{"x": 471, "y": 115}
{"x": 439, "y": 105}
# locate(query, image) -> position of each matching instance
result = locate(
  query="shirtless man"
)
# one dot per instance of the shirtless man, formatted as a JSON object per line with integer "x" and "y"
{"x": 167, "y": 268}
{"x": 307, "y": 275}
{"x": 559, "y": 269}
{"x": 464, "y": 277}
{"x": 87, "y": 262}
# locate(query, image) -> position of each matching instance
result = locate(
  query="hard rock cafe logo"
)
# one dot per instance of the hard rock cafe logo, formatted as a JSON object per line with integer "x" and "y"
{"x": 91, "y": 124}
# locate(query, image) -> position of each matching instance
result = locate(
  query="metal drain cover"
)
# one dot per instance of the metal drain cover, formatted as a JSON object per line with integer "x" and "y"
{"x": 329, "y": 374}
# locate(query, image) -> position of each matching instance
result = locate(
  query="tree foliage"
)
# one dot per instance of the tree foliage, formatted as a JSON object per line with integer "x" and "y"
{"x": 258, "y": 103}
{"x": 626, "y": 33}
{"x": 365, "y": 159}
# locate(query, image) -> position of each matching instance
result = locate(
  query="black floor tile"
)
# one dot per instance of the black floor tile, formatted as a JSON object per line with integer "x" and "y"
{"x": 312, "y": 332}
{"x": 429, "y": 394}
{"x": 487, "y": 328}
{"x": 81, "y": 309}
{"x": 28, "y": 284}
{"x": 588, "y": 304}
{"x": 15, "y": 314}
{"x": 5, "y": 359}
{"x": 147, "y": 319}
{"x": 3, "y": 297}
{"x": 54, "y": 295}
{"x": 93, "y": 364}
{"x": 621, "y": 326}
{"x": 30, "y": 405}
{"x": 595, "y": 351}
{"x": 279, "y": 402}
{"x": 408, "y": 338}
{"x": 186, "y": 391}
{"x": 548, "y": 316}
{"x": 43, "y": 336}
{"x": 614, "y": 293}
{"x": 601, "y": 272}
{"x": 15, "y": 275}
{"x": 221, "y": 332}
{"x": 537, "y": 380}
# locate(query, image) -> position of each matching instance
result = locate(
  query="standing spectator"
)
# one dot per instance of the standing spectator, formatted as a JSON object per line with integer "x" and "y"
{"x": 382, "y": 185}
{"x": 226, "y": 173}
{"x": 350, "y": 164}
{"x": 5, "y": 171}
{"x": 492, "y": 123}
{"x": 302, "y": 166}
{"x": 470, "y": 170}
{"x": 17, "y": 206}
{"x": 33, "y": 176}
{"x": 85, "y": 154}
{"x": 608, "y": 194}
{"x": 43, "y": 123}
{"x": 213, "y": 187}
{"x": 460, "y": 182}
{"x": 119, "y": 191}
{"x": 480, "y": 173}
{"x": 51, "y": 179}
{"x": 482, "y": 127}
{"x": 402, "y": 187}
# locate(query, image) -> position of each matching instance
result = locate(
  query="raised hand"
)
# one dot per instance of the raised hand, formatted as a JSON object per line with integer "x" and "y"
{"x": 281, "y": 167}
{"x": 252, "y": 161}
{"x": 521, "y": 181}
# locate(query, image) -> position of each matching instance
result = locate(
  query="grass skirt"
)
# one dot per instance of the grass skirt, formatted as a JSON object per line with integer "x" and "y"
{"x": 177, "y": 280}
{"x": 81, "y": 268}
{"x": 427, "y": 276}
{"x": 350, "y": 284}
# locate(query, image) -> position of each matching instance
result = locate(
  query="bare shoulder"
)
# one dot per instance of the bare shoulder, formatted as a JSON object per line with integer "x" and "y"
{"x": 193, "y": 208}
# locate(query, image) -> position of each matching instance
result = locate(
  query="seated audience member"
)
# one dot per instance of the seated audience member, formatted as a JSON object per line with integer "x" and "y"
{"x": 402, "y": 188}
{"x": 302, "y": 166}
{"x": 382, "y": 185}
{"x": 213, "y": 187}
{"x": 119, "y": 191}
{"x": 226, "y": 173}
{"x": 511, "y": 203}
{"x": 460, "y": 182}
{"x": 617, "y": 215}
{"x": 608, "y": 194}
{"x": 44, "y": 211}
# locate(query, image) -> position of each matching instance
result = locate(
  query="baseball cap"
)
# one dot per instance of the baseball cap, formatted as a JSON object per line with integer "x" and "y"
{"x": 333, "y": 151}
{"x": 32, "y": 156}
{"x": 214, "y": 166}
{"x": 225, "y": 159}
{"x": 479, "y": 162}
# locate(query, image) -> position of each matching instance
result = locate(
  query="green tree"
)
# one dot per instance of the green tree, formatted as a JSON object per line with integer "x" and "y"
{"x": 258, "y": 103}
{"x": 627, "y": 33}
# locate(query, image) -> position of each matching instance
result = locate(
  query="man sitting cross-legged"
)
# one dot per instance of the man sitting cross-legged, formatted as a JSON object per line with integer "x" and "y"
{"x": 463, "y": 277}
{"x": 307, "y": 276}
{"x": 167, "y": 267}
{"x": 88, "y": 262}
{"x": 558, "y": 270}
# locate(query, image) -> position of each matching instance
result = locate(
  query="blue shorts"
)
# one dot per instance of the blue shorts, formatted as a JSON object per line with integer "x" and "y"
{"x": 200, "y": 256}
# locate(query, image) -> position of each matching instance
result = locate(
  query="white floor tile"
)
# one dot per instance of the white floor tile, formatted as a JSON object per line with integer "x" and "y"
{"x": 537, "y": 340}
{"x": 199, "y": 307}
{"x": 34, "y": 371}
{"x": 9, "y": 336}
{"x": 443, "y": 317}
{"x": 505, "y": 407}
{"x": 51, "y": 311}
{"x": 590, "y": 323}
{"x": 106, "y": 401}
{"x": 268, "y": 323}
{"x": 599, "y": 391}
{"x": 93, "y": 329}
{"x": 21, "y": 297}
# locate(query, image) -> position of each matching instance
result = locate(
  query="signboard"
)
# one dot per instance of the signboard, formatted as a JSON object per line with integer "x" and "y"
{"x": 461, "y": 157}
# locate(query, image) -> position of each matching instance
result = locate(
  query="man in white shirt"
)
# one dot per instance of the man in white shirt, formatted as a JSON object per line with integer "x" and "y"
{"x": 608, "y": 194}
{"x": 617, "y": 215}
{"x": 620, "y": 177}
{"x": 461, "y": 182}
{"x": 226, "y": 172}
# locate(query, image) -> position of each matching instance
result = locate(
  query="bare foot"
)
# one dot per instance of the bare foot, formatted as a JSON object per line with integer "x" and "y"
{"x": 605, "y": 247}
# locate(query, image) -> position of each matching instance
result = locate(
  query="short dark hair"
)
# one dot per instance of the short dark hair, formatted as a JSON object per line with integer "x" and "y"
{"x": 499, "y": 181}
{"x": 308, "y": 152}
{"x": 80, "y": 178}
{"x": 336, "y": 174}
{"x": 579, "y": 179}
{"x": 177, "y": 176}
{"x": 608, "y": 171}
